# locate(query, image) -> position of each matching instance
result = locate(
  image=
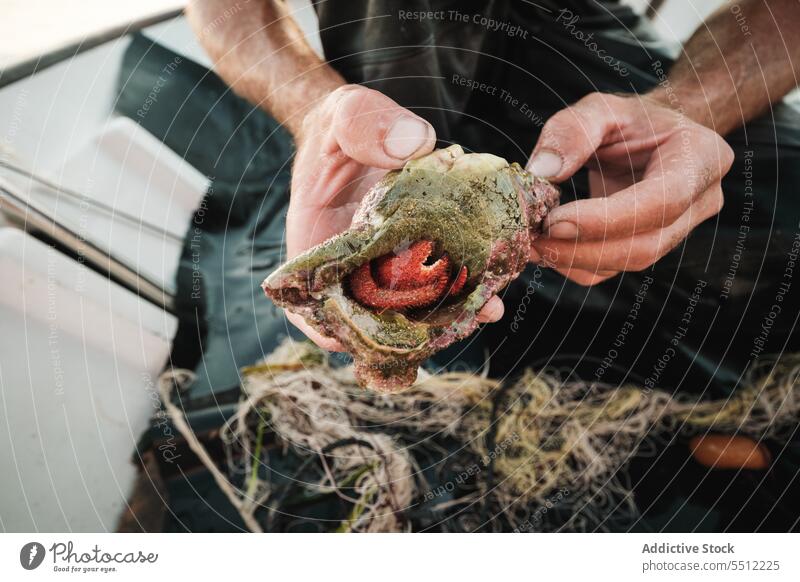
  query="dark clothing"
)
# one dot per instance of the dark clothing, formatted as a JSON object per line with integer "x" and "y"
{"x": 426, "y": 54}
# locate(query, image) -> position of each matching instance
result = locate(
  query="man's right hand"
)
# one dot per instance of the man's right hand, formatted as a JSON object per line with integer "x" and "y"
{"x": 346, "y": 143}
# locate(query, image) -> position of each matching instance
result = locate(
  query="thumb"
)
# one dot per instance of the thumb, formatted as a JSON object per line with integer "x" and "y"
{"x": 571, "y": 136}
{"x": 375, "y": 131}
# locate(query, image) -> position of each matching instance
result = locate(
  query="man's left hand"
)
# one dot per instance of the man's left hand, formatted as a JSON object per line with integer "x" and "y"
{"x": 654, "y": 175}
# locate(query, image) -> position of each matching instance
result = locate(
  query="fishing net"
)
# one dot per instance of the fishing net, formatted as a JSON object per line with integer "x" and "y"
{"x": 535, "y": 454}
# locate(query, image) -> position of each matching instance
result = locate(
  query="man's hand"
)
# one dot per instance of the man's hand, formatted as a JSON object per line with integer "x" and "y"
{"x": 654, "y": 175}
{"x": 345, "y": 145}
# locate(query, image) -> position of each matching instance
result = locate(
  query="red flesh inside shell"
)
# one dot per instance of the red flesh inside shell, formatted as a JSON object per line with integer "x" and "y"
{"x": 404, "y": 279}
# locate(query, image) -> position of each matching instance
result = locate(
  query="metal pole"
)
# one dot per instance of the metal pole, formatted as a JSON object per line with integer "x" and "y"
{"x": 14, "y": 205}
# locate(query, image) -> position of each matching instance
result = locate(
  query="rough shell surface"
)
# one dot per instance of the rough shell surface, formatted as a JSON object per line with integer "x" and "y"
{"x": 476, "y": 214}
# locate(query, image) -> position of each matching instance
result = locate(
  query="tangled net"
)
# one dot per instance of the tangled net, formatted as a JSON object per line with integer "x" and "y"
{"x": 533, "y": 445}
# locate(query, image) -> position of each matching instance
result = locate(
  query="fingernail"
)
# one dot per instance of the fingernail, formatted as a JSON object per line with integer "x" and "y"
{"x": 545, "y": 164}
{"x": 405, "y": 137}
{"x": 565, "y": 230}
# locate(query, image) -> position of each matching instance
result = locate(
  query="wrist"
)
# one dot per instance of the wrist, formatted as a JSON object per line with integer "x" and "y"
{"x": 691, "y": 102}
{"x": 665, "y": 95}
{"x": 303, "y": 98}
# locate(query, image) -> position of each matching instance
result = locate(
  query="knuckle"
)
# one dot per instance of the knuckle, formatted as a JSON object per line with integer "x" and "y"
{"x": 604, "y": 101}
{"x": 727, "y": 155}
{"x": 581, "y": 280}
{"x": 587, "y": 279}
{"x": 667, "y": 245}
{"x": 353, "y": 103}
{"x": 595, "y": 98}
{"x": 640, "y": 263}
{"x": 350, "y": 104}
{"x": 595, "y": 280}
{"x": 719, "y": 202}
{"x": 715, "y": 142}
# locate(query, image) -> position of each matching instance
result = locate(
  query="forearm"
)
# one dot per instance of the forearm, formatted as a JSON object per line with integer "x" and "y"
{"x": 745, "y": 57}
{"x": 259, "y": 50}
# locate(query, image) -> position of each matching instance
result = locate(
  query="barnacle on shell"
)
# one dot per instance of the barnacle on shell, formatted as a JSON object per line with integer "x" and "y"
{"x": 428, "y": 246}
